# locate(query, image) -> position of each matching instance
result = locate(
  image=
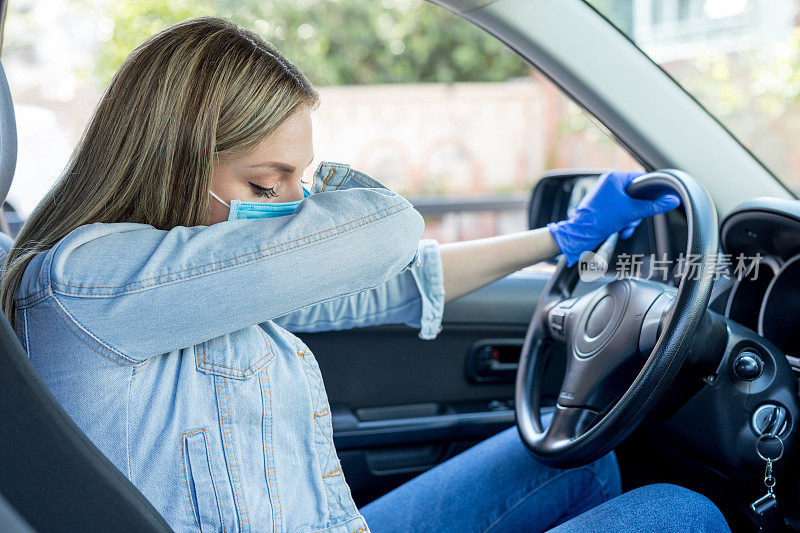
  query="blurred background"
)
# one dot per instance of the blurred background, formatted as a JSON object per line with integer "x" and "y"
{"x": 416, "y": 97}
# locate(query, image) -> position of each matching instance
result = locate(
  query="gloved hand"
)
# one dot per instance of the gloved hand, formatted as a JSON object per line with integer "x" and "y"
{"x": 605, "y": 210}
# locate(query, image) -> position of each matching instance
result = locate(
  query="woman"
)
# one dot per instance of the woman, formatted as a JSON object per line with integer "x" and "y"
{"x": 156, "y": 286}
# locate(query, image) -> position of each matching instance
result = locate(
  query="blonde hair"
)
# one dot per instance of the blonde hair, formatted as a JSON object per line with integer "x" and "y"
{"x": 198, "y": 92}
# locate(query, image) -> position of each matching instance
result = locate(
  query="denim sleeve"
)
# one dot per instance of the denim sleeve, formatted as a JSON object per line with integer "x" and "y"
{"x": 145, "y": 291}
{"x": 414, "y": 297}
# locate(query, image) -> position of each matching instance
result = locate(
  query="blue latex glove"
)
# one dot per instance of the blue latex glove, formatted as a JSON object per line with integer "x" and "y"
{"x": 605, "y": 210}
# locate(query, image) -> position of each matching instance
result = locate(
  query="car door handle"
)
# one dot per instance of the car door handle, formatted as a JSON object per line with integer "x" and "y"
{"x": 494, "y": 360}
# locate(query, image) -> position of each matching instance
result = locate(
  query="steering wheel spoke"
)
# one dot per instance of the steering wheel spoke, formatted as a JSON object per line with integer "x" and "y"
{"x": 567, "y": 424}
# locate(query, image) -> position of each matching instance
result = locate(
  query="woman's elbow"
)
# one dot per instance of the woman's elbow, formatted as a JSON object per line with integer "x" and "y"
{"x": 377, "y": 229}
{"x": 396, "y": 244}
{"x": 409, "y": 235}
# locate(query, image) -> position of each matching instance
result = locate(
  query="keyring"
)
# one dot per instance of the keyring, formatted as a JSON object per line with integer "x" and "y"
{"x": 758, "y": 448}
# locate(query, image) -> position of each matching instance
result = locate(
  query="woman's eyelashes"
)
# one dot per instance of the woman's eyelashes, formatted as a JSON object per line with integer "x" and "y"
{"x": 264, "y": 192}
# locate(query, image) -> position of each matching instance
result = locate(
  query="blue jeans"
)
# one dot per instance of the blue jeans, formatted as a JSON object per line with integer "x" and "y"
{"x": 497, "y": 486}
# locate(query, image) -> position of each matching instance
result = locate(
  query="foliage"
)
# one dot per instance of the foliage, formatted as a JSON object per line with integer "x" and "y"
{"x": 133, "y": 22}
{"x": 334, "y": 42}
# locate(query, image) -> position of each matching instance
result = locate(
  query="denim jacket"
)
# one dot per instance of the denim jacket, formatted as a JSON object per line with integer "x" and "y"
{"x": 174, "y": 352}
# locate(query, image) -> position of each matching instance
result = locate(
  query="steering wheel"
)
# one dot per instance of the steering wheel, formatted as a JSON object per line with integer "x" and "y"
{"x": 606, "y": 332}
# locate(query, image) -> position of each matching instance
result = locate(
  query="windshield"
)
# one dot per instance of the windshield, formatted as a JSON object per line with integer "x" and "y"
{"x": 739, "y": 58}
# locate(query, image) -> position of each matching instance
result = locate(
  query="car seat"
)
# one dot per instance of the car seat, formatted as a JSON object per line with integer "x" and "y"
{"x": 51, "y": 475}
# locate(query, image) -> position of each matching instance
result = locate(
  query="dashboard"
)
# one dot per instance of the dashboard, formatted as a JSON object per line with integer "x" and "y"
{"x": 765, "y": 295}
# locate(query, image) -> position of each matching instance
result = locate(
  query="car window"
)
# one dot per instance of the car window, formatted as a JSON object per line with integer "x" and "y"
{"x": 739, "y": 58}
{"x": 423, "y": 101}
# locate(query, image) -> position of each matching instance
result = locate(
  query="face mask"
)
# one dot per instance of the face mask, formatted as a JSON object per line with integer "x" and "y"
{"x": 239, "y": 209}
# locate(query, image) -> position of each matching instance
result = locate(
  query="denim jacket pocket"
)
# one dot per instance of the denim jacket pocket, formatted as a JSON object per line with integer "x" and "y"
{"x": 200, "y": 483}
{"x": 237, "y": 355}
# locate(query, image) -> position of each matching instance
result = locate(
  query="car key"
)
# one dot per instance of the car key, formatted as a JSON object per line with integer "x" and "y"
{"x": 767, "y": 513}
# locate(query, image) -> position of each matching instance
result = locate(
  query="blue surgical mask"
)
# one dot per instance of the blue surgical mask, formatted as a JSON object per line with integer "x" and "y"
{"x": 239, "y": 209}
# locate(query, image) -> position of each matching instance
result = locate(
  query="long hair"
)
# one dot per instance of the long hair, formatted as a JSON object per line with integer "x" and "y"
{"x": 196, "y": 93}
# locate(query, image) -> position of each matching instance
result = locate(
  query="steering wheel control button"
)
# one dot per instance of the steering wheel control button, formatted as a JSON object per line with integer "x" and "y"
{"x": 747, "y": 366}
{"x": 556, "y": 322}
{"x": 557, "y": 317}
{"x": 770, "y": 418}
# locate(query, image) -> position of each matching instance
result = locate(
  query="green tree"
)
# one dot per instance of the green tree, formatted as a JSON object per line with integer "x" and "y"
{"x": 334, "y": 42}
{"x": 133, "y": 23}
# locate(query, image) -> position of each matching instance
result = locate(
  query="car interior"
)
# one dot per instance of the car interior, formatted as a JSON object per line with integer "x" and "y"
{"x": 694, "y": 384}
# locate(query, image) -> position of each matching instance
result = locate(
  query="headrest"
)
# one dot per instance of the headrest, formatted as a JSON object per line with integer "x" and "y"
{"x": 8, "y": 137}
